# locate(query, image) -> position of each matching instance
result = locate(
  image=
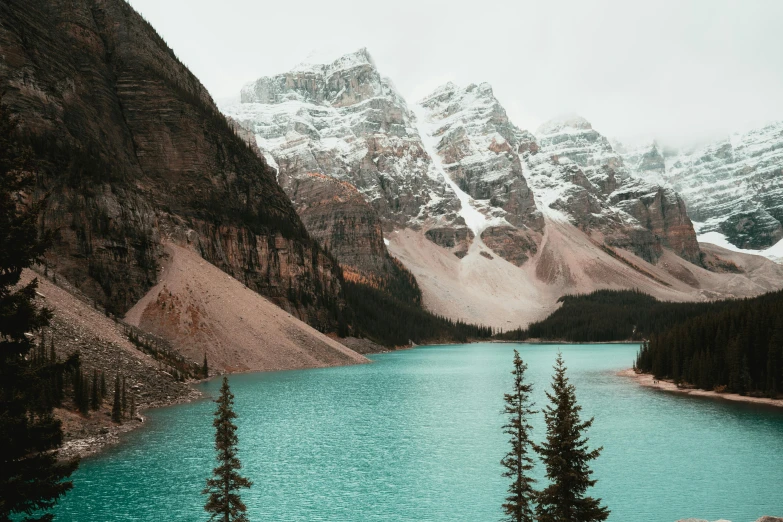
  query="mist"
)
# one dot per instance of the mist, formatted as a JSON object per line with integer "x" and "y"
{"x": 679, "y": 72}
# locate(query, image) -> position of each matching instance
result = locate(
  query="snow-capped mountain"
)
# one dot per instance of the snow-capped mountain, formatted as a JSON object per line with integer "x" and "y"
{"x": 579, "y": 174}
{"x": 345, "y": 120}
{"x": 734, "y": 187}
{"x": 472, "y": 142}
{"x": 496, "y": 223}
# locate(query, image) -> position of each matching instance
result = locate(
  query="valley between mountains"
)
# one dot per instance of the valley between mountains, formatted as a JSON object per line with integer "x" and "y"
{"x": 320, "y": 209}
{"x": 495, "y": 222}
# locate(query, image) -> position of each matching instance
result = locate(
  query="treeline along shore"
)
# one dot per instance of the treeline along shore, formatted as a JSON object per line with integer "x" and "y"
{"x": 731, "y": 346}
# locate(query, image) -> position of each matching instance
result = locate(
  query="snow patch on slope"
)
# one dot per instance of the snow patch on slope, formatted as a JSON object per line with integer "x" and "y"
{"x": 474, "y": 219}
{"x": 773, "y": 253}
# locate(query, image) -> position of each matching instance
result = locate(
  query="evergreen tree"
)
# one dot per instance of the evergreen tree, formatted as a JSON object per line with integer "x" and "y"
{"x": 83, "y": 395}
{"x": 95, "y": 398}
{"x": 132, "y": 407}
{"x": 224, "y": 503}
{"x": 124, "y": 397}
{"x": 32, "y": 479}
{"x": 205, "y": 368}
{"x": 103, "y": 386}
{"x": 518, "y": 463}
{"x": 566, "y": 457}
{"x": 116, "y": 409}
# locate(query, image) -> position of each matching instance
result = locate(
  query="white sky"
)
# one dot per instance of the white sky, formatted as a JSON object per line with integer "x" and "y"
{"x": 678, "y": 70}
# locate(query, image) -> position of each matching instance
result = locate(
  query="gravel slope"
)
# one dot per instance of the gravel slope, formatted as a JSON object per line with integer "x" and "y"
{"x": 200, "y": 309}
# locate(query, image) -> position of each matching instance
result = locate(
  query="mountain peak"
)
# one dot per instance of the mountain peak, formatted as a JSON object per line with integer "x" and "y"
{"x": 450, "y": 89}
{"x": 562, "y": 123}
{"x": 447, "y": 88}
{"x": 331, "y": 59}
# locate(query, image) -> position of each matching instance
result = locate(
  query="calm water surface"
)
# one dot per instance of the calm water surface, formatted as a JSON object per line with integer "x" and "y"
{"x": 417, "y": 436}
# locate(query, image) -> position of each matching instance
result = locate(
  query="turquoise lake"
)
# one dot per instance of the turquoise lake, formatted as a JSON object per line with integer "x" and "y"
{"x": 417, "y": 436}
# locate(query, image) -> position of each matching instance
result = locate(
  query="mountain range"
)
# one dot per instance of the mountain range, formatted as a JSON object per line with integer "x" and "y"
{"x": 495, "y": 222}
{"x": 324, "y": 179}
{"x": 733, "y": 187}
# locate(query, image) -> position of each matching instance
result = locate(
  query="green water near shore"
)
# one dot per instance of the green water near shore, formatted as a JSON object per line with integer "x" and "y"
{"x": 417, "y": 436}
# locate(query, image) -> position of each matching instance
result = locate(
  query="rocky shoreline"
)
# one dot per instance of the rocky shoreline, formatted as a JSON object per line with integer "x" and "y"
{"x": 88, "y": 436}
{"x": 647, "y": 380}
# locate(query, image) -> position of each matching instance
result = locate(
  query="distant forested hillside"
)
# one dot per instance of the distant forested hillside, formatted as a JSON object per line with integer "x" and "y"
{"x": 609, "y": 315}
{"x": 389, "y": 321}
{"x": 737, "y": 347}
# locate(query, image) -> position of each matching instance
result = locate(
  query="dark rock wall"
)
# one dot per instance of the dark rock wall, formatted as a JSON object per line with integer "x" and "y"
{"x": 133, "y": 152}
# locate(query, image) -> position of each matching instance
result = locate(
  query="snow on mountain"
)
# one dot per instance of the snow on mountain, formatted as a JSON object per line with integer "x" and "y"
{"x": 773, "y": 253}
{"x": 345, "y": 120}
{"x": 472, "y": 141}
{"x": 577, "y": 173}
{"x": 494, "y": 222}
{"x": 735, "y": 186}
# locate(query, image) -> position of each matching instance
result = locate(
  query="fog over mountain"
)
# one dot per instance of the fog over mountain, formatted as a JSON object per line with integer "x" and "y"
{"x": 681, "y": 72}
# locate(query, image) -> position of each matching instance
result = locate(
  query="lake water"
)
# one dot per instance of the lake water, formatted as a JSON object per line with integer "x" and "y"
{"x": 417, "y": 436}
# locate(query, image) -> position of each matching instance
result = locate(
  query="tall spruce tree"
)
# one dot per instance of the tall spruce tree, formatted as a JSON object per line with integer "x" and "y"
{"x": 518, "y": 506}
{"x": 31, "y": 477}
{"x": 124, "y": 400}
{"x": 567, "y": 458}
{"x": 116, "y": 407}
{"x": 103, "y": 386}
{"x": 205, "y": 368}
{"x": 132, "y": 414}
{"x": 224, "y": 503}
{"x": 95, "y": 392}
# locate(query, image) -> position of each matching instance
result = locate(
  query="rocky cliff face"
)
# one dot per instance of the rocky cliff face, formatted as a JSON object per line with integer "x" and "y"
{"x": 469, "y": 135}
{"x": 577, "y": 172}
{"x": 339, "y": 218}
{"x": 134, "y": 151}
{"x": 734, "y": 187}
{"x": 454, "y": 164}
{"x": 479, "y": 149}
{"x": 345, "y": 120}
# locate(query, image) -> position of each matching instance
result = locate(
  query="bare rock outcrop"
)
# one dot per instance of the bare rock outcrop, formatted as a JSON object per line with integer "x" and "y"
{"x": 338, "y": 217}
{"x": 133, "y": 150}
{"x": 587, "y": 180}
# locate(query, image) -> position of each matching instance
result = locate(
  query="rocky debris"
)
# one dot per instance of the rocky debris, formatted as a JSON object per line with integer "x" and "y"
{"x": 202, "y": 311}
{"x": 363, "y": 346}
{"x": 80, "y": 325}
{"x": 514, "y": 245}
{"x": 133, "y": 151}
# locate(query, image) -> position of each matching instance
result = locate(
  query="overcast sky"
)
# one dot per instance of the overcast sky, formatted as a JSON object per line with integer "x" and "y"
{"x": 676, "y": 70}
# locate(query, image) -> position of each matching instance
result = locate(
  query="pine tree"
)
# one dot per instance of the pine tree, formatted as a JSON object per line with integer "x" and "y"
{"x": 205, "y": 368}
{"x": 518, "y": 463}
{"x": 95, "y": 398}
{"x": 566, "y": 457}
{"x": 124, "y": 399}
{"x": 104, "y": 392}
{"x": 116, "y": 409}
{"x": 32, "y": 478}
{"x": 132, "y": 407}
{"x": 224, "y": 503}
